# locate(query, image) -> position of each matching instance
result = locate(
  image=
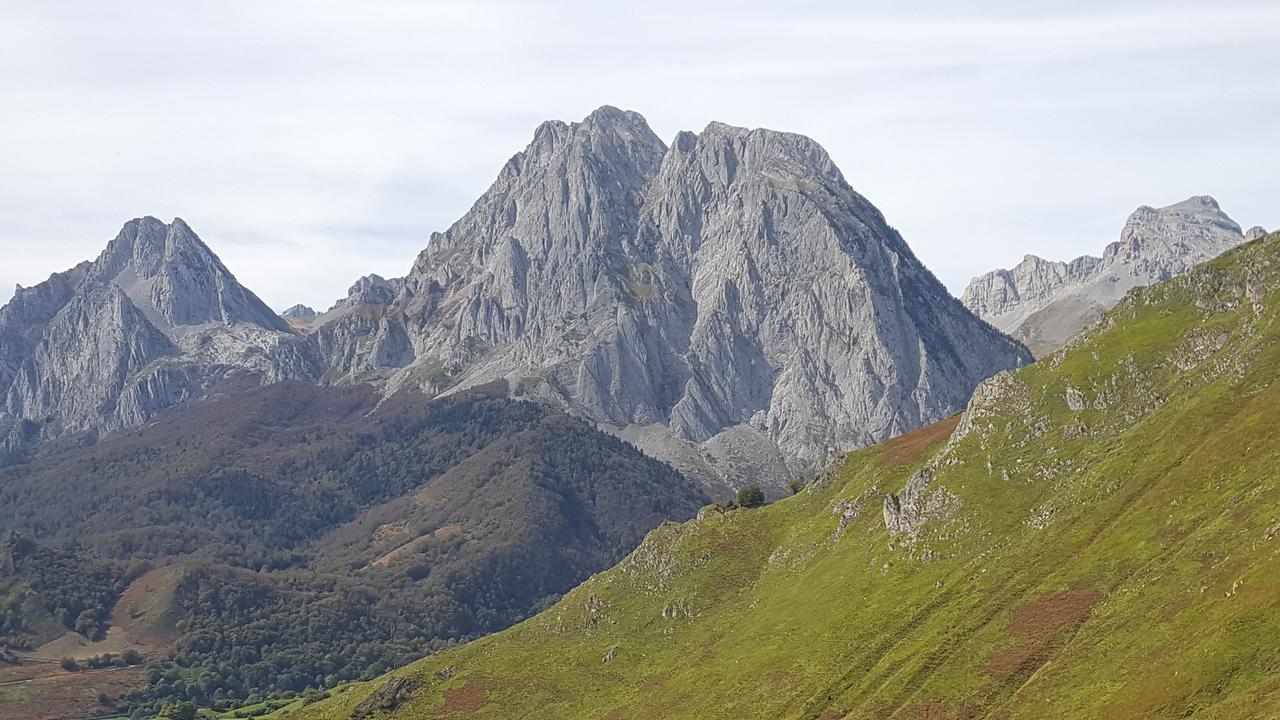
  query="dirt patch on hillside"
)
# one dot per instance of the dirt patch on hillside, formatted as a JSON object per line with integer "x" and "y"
{"x": 139, "y": 621}
{"x": 143, "y": 610}
{"x": 57, "y": 694}
{"x": 413, "y": 545}
{"x": 908, "y": 447}
{"x": 1040, "y": 627}
{"x": 447, "y": 532}
{"x": 390, "y": 535}
{"x": 466, "y": 699}
{"x": 75, "y": 645}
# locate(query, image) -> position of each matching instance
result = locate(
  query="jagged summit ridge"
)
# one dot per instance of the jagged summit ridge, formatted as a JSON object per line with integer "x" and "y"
{"x": 728, "y": 303}
{"x": 1044, "y": 303}
{"x": 154, "y": 320}
{"x": 169, "y": 270}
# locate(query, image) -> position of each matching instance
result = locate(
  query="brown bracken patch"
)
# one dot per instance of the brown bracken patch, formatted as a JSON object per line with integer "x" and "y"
{"x": 1038, "y": 628}
{"x": 908, "y": 447}
{"x": 466, "y": 699}
{"x": 59, "y": 694}
{"x": 831, "y": 715}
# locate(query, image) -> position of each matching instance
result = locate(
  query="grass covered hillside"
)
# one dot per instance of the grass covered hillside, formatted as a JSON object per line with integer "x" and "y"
{"x": 1097, "y": 537}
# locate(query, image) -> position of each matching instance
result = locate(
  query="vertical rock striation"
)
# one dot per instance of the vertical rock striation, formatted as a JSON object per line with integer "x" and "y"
{"x": 154, "y": 320}
{"x": 728, "y": 303}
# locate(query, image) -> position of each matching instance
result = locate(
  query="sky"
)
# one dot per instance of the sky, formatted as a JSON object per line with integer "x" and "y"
{"x": 311, "y": 142}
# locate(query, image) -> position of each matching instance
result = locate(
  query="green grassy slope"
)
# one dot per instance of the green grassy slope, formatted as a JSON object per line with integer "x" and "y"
{"x": 1100, "y": 538}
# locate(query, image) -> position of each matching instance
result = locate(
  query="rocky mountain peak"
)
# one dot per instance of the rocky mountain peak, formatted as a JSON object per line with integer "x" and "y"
{"x": 154, "y": 320}
{"x": 1255, "y": 233}
{"x": 729, "y": 303}
{"x": 170, "y": 274}
{"x": 300, "y": 312}
{"x": 586, "y": 177}
{"x": 1171, "y": 240}
{"x": 372, "y": 288}
{"x": 1044, "y": 303}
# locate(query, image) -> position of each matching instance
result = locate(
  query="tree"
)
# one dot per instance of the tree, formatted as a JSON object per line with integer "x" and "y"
{"x": 750, "y": 496}
{"x": 795, "y": 486}
{"x": 70, "y": 665}
{"x": 185, "y": 710}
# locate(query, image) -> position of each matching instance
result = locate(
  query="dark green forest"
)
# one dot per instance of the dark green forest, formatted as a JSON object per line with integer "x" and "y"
{"x": 328, "y": 534}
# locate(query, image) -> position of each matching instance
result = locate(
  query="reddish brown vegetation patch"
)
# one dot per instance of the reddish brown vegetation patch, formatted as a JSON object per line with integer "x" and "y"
{"x": 1038, "y": 628}
{"x": 831, "y": 715}
{"x": 908, "y": 447}
{"x": 142, "y": 610}
{"x": 466, "y": 699}
{"x": 59, "y": 694}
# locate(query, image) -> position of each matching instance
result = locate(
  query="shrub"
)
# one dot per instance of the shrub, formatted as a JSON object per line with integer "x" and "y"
{"x": 751, "y": 496}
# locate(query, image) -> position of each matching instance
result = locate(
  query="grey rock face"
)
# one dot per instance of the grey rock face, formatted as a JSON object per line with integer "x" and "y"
{"x": 156, "y": 319}
{"x": 729, "y": 303}
{"x": 907, "y": 512}
{"x": 299, "y": 312}
{"x": 1044, "y": 303}
{"x": 1257, "y": 232}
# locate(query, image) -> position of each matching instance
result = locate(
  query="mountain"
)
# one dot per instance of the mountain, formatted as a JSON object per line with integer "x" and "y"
{"x": 336, "y": 532}
{"x": 300, "y": 317}
{"x": 1044, "y": 303}
{"x": 727, "y": 303}
{"x": 156, "y": 319}
{"x": 1096, "y": 536}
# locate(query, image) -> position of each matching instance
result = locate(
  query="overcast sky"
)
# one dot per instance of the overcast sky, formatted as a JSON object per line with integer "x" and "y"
{"x": 312, "y": 142}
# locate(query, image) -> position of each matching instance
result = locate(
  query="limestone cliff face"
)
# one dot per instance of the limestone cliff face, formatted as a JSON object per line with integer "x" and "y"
{"x": 154, "y": 320}
{"x": 1045, "y": 303}
{"x": 728, "y": 303}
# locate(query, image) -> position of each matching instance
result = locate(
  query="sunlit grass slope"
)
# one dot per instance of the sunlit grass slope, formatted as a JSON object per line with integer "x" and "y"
{"x": 1098, "y": 538}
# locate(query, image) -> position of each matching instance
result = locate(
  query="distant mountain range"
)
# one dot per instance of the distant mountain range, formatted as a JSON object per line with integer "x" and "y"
{"x": 1044, "y": 303}
{"x": 728, "y": 304}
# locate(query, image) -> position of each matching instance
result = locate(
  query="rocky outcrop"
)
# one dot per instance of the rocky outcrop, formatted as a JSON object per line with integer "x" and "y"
{"x": 154, "y": 320}
{"x": 907, "y": 512}
{"x": 727, "y": 303}
{"x": 1045, "y": 303}
{"x": 386, "y": 698}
